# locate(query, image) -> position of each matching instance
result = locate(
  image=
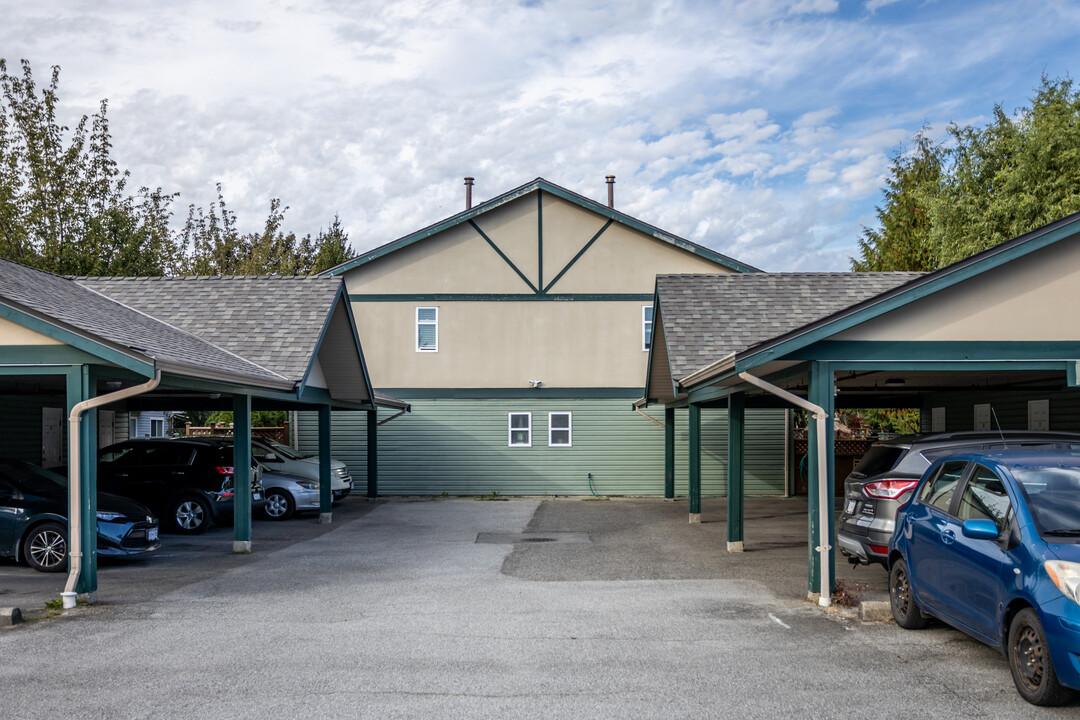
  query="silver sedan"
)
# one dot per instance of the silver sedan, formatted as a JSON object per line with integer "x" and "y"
{"x": 288, "y": 494}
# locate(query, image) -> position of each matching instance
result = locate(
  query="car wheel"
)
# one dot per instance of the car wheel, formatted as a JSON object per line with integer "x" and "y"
{"x": 46, "y": 548}
{"x": 190, "y": 515}
{"x": 1030, "y": 662}
{"x": 905, "y": 609}
{"x": 279, "y": 504}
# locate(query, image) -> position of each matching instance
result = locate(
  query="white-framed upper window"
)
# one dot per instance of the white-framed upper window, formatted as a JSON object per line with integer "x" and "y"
{"x": 646, "y": 327}
{"x": 520, "y": 426}
{"x": 427, "y": 329}
{"x": 157, "y": 427}
{"x": 560, "y": 429}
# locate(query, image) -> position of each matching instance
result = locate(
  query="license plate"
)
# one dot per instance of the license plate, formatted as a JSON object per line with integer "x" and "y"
{"x": 151, "y": 534}
{"x": 256, "y": 496}
{"x": 850, "y": 507}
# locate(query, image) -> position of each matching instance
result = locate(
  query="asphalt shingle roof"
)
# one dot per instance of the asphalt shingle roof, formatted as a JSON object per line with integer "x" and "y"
{"x": 706, "y": 317}
{"x": 273, "y": 321}
{"x": 82, "y": 309}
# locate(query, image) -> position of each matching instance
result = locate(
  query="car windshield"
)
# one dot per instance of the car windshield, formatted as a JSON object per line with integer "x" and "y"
{"x": 878, "y": 459}
{"x": 283, "y": 450}
{"x": 1053, "y": 495}
{"x": 32, "y": 479}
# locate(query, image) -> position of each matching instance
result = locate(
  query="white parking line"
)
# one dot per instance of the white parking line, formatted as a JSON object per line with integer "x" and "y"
{"x": 779, "y": 622}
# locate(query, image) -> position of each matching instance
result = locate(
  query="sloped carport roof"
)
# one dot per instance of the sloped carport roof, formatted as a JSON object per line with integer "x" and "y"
{"x": 700, "y": 318}
{"x": 266, "y": 334}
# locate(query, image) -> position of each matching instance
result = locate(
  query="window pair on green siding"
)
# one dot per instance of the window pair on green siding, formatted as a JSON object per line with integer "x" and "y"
{"x": 560, "y": 429}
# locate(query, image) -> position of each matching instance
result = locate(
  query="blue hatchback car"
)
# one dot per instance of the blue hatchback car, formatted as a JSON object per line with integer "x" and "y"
{"x": 990, "y": 544}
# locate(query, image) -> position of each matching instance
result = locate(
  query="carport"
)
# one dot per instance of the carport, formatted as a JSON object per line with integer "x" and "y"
{"x": 991, "y": 341}
{"x": 122, "y": 344}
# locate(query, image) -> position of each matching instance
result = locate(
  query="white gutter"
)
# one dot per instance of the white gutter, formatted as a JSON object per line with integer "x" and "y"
{"x": 725, "y": 363}
{"x": 75, "y": 482}
{"x": 824, "y": 501}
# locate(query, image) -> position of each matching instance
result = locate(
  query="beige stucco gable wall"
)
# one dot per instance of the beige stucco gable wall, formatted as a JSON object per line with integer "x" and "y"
{"x": 11, "y": 333}
{"x": 500, "y": 343}
{"x": 1033, "y": 298}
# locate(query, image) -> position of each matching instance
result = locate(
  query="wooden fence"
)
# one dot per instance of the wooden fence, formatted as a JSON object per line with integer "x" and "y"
{"x": 279, "y": 433}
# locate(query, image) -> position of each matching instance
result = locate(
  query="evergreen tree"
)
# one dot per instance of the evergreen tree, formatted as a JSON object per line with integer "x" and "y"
{"x": 903, "y": 240}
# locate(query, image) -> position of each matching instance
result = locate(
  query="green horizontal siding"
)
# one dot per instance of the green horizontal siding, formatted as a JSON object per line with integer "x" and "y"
{"x": 459, "y": 446}
{"x": 1010, "y": 407}
{"x": 763, "y": 471}
{"x": 20, "y": 428}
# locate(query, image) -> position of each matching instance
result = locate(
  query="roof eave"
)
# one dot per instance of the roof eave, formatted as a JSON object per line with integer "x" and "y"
{"x": 549, "y": 187}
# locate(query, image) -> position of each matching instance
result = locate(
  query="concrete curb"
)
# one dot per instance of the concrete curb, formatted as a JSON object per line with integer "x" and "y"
{"x": 10, "y": 616}
{"x": 875, "y": 611}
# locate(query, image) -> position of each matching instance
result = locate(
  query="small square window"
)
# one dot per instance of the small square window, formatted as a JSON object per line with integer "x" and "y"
{"x": 559, "y": 429}
{"x": 520, "y": 429}
{"x": 157, "y": 428}
{"x": 646, "y": 327}
{"x": 427, "y": 329}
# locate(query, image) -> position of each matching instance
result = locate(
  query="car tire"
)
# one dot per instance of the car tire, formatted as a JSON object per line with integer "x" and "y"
{"x": 279, "y": 504}
{"x": 45, "y": 548}
{"x": 1030, "y": 662}
{"x": 189, "y": 515}
{"x": 905, "y": 608}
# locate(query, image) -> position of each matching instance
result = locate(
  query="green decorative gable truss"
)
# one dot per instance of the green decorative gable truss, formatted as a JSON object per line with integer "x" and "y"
{"x": 538, "y": 290}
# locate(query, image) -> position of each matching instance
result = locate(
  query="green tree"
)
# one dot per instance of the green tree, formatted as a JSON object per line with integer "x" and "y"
{"x": 902, "y": 242}
{"x": 64, "y": 203}
{"x": 332, "y": 247}
{"x": 1011, "y": 176}
{"x": 983, "y": 186}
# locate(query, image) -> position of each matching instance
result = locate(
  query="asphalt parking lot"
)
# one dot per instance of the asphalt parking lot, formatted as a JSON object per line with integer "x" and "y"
{"x": 463, "y": 608}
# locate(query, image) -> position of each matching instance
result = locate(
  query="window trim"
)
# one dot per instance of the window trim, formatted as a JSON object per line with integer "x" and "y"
{"x": 647, "y": 335}
{"x": 511, "y": 429}
{"x": 420, "y": 348}
{"x": 160, "y": 421}
{"x": 569, "y": 429}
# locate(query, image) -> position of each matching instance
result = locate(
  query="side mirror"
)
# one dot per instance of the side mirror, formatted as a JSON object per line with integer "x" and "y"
{"x": 271, "y": 457}
{"x": 980, "y": 529}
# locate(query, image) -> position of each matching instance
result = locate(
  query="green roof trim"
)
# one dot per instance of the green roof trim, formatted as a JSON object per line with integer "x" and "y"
{"x": 500, "y": 297}
{"x": 99, "y": 350}
{"x": 542, "y": 185}
{"x": 909, "y": 292}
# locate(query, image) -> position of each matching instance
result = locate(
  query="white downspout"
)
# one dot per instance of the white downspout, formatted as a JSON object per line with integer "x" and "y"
{"x": 75, "y": 482}
{"x": 824, "y": 502}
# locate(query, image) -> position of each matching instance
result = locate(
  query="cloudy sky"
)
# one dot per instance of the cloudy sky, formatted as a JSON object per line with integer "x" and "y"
{"x": 762, "y": 128}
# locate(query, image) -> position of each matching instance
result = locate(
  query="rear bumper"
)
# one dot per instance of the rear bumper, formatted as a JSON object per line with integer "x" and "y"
{"x": 859, "y": 548}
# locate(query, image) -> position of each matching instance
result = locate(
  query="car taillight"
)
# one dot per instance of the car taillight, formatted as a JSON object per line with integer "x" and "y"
{"x": 224, "y": 470}
{"x": 889, "y": 489}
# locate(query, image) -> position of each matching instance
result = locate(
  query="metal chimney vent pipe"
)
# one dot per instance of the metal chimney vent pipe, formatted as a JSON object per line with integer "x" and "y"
{"x": 468, "y": 193}
{"x": 610, "y": 191}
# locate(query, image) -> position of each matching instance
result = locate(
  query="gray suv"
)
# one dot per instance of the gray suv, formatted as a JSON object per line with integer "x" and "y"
{"x": 890, "y": 470}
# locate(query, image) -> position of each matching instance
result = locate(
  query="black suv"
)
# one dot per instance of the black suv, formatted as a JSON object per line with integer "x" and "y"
{"x": 883, "y": 480}
{"x": 188, "y": 482}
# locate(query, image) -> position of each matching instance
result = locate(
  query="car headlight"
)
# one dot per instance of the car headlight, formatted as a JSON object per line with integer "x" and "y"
{"x": 1066, "y": 575}
{"x": 308, "y": 485}
{"x": 106, "y": 515}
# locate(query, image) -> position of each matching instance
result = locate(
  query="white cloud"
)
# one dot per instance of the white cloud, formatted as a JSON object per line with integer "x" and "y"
{"x": 760, "y": 128}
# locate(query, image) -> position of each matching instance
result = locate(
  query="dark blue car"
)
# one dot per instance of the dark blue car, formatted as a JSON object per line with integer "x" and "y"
{"x": 990, "y": 544}
{"x": 33, "y": 519}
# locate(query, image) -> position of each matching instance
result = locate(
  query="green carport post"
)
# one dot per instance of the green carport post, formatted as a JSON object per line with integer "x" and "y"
{"x": 735, "y": 489}
{"x": 820, "y": 393}
{"x": 694, "y": 490}
{"x": 80, "y": 386}
{"x": 373, "y": 454}
{"x": 241, "y": 473}
{"x": 326, "y": 499}
{"x": 669, "y": 453}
